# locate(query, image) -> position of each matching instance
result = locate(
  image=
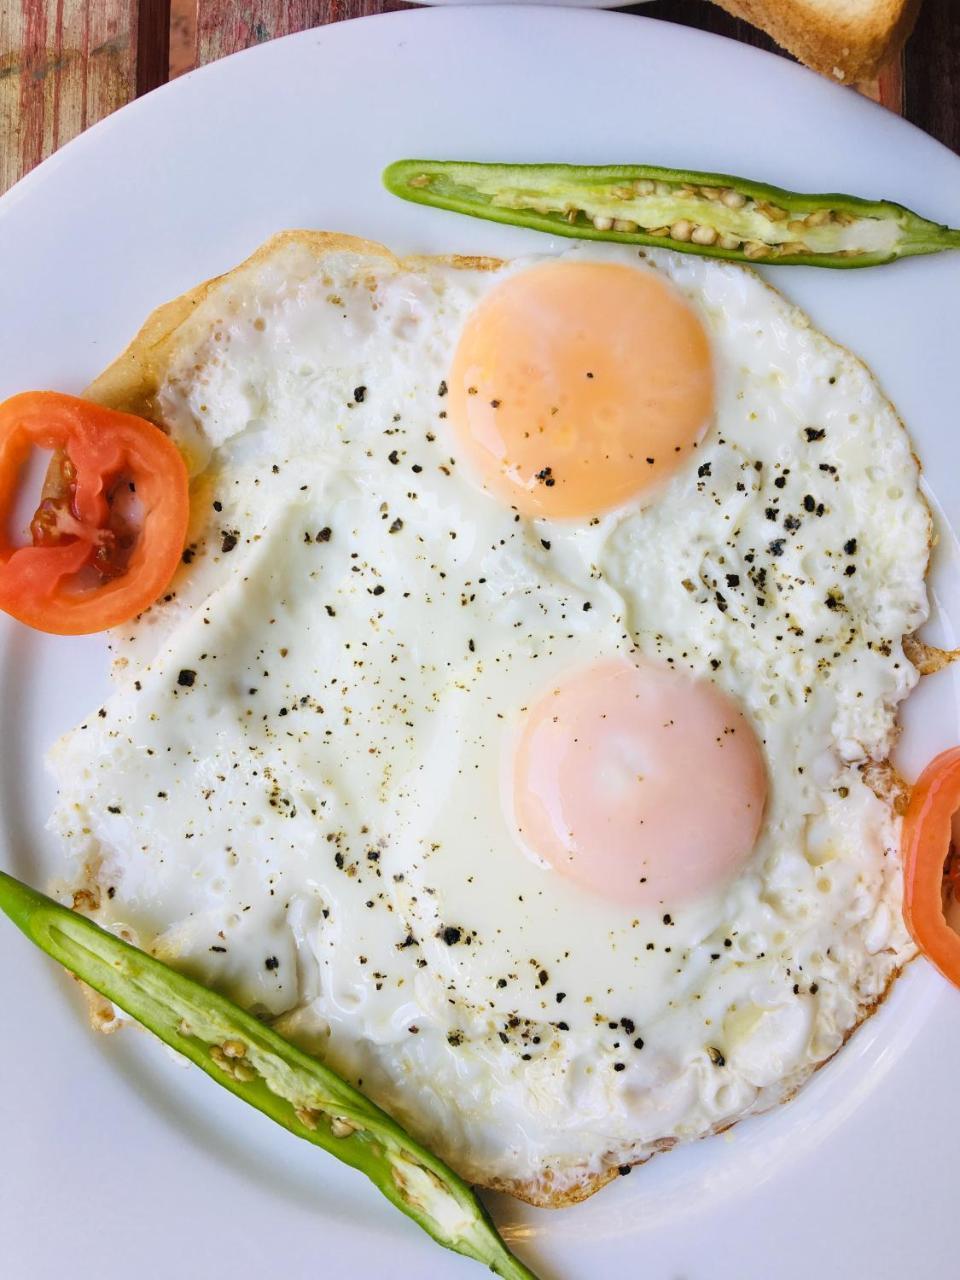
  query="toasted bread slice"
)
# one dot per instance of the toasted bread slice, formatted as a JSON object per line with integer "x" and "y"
{"x": 850, "y": 40}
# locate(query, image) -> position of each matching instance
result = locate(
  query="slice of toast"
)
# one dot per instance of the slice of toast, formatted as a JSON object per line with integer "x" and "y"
{"x": 850, "y": 40}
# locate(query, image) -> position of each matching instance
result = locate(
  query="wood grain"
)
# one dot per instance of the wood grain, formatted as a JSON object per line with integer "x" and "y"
{"x": 225, "y": 26}
{"x": 65, "y": 64}
{"x": 931, "y": 94}
{"x": 153, "y": 44}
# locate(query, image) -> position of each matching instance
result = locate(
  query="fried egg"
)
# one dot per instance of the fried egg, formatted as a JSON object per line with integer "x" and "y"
{"x": 505, "y": 734}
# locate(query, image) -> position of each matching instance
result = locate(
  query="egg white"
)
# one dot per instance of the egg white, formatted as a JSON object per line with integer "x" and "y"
{"x": 296, "y": 790}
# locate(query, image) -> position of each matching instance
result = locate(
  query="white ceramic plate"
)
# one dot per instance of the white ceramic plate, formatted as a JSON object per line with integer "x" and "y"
{"x": 114, "y": 1160}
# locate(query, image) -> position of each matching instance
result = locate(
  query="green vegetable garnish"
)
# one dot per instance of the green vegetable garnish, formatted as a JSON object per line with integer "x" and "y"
{"x": 262, "y": 1068}
{"x": 711, "y": 214}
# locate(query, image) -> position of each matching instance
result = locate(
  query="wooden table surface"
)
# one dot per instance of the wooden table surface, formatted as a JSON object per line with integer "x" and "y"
{"x": 64, "y": 64}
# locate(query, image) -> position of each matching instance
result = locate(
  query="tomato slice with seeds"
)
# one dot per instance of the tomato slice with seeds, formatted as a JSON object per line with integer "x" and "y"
{"x": 929, "y": 862}
{"x": 112, "y": 520}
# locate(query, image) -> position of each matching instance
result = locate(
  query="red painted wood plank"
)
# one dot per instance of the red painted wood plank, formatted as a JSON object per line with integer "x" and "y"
{"x": 224, "y": 26}
{"x": 65, "y": 64}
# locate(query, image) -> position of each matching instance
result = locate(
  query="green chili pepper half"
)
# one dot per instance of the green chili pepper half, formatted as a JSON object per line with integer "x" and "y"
{"x": 711, "y": 214}
{"x": 262, "y": 1068}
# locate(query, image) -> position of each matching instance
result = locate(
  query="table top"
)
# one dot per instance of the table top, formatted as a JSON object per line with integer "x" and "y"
{"x": 64, "y": 64}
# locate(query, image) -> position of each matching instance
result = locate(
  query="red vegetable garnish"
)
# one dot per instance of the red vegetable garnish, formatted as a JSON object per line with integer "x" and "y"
{"x": 930, "y": 863}
{"x": 110, "y": 527}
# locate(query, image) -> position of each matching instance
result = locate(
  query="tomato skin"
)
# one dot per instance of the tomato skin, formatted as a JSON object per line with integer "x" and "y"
{"x": 101, "y": 444}
{"x": 925, "y": 843}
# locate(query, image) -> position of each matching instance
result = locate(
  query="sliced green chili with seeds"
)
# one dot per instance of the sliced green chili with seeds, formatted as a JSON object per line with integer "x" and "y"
{"x": 711, "y": 214}
{"x": 265, "y": 1070}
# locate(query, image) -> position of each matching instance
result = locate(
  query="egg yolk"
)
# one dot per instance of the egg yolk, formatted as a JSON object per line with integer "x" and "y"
{"x": 644, "y": 786}
{"x": 579, "y": 385}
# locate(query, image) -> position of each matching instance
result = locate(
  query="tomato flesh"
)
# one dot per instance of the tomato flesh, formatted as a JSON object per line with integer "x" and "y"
{"x": 929, "y": 862}
{"x": 88, "y": 568}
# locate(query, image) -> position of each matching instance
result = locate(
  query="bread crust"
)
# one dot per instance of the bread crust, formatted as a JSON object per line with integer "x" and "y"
{"x": 846, "y": 47}
{"x": 131, "y": 383}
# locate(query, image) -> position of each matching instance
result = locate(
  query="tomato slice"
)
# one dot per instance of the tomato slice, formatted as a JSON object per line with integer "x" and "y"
{"x": 110, "y": 528}
{"x": 926, "y": 845}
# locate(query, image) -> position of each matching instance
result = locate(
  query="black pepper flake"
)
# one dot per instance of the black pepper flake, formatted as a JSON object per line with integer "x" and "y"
{"x": 221, "y": 949}
{"x": 379, "y": 589}
{"x": 814, "y": 988}
{"x": 771, "y": 513}
{"x": 791, "y": 523}
{"x": 543, "y": 977}
{"x": 561, "y": 996}
{"x": 638, "y": 1043}
{"x": 359, "y": 394}
{"x": 545, "y": 544}
{"x": 733, "y": 579}
{"x": 271, "y": 963}
{"x": 455, "y": 1038}
{"x": 814, "y": 433}
{"x": 619, "y": 1066}
{"x": 229, "y": 540}
{"x": 850, "y": 570}
{"x": 623, "y": 1169}
{"x": 545, "y": 474}
{"x": 442, "y": 389}
{"x": 850, "y": 546}
{"x": 393, "y": 457}
{"x": 714, "y": 663}
{"x": 416, "y": 468}
{"x": 703, "y": 469}
{"x": 186, "y": 678}
{"x": 114, "y": 808}
{"x": 451, "y": 935}
{"x": 628, "y": 1025}
{"x": 111, "y": 891}
{"x": 396, "y": 526}
{"x": 809, "y": 502}
{"x": 504, "y": 1038}
{"x": 776, "y": 547}
{"x": 218, "y": 506}
{"x": 716, "y": 1057}
{"x": 325, "y": 534}
{"x": 721, "y": 602}
{"x": 780, "y": 482}
{"x": 501, "y": 983}
{"x": 188, "y": 554}
{"x": 563, "y": 1026}
{"x": 833, "y": 601}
